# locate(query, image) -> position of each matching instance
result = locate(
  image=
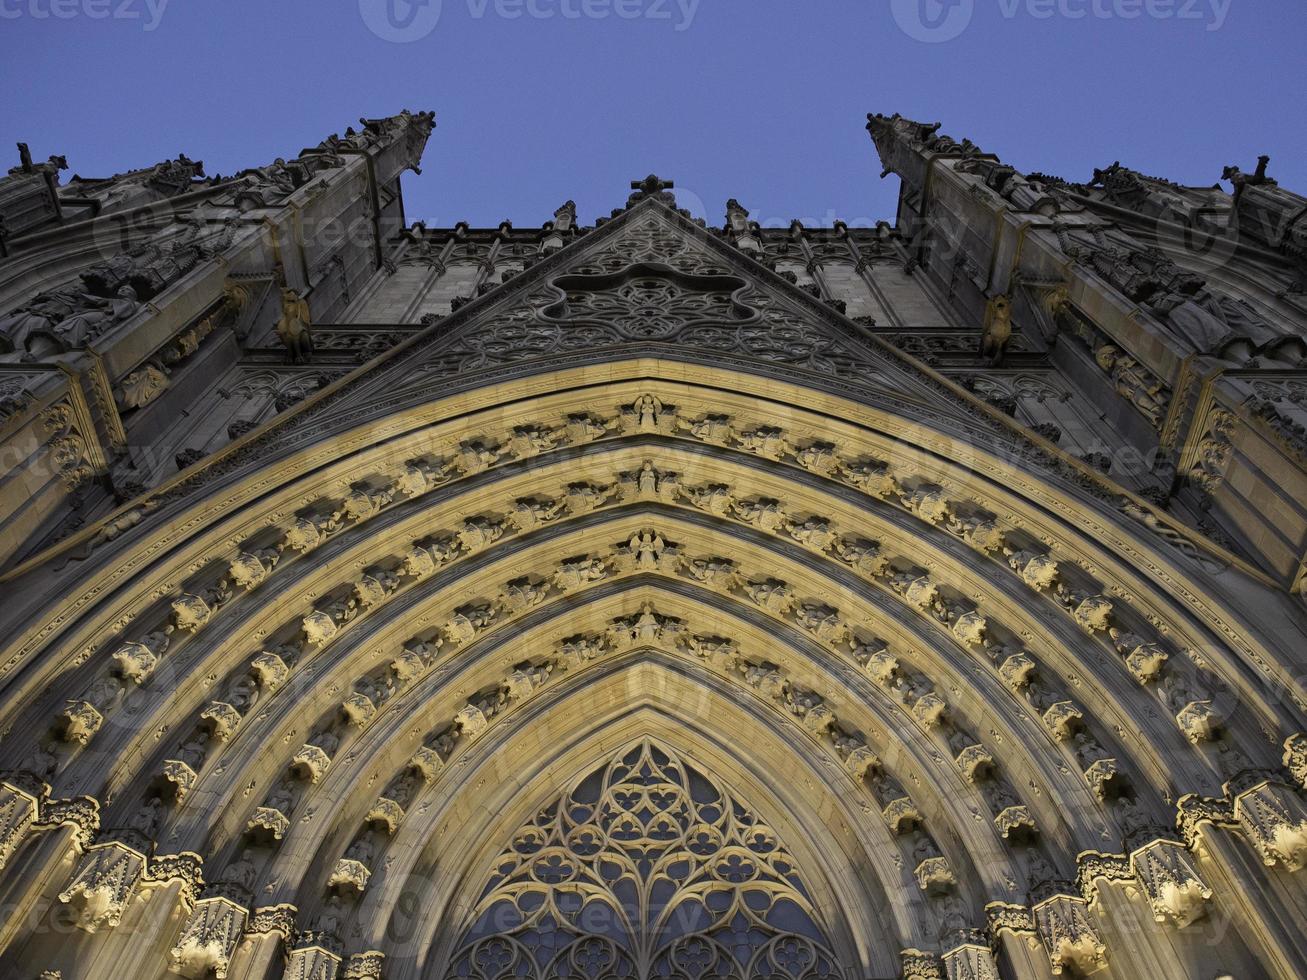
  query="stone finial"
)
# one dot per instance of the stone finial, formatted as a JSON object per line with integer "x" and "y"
{"x": 652, "y": 186}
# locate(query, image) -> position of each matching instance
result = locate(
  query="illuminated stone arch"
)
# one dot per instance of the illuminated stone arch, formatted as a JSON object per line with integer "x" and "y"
{"x": 683, "y": 706}
{"x": 647, "y": 867}
{"x": 304, "y": 684}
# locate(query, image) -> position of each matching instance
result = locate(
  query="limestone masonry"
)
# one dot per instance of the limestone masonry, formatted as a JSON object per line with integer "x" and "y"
{"x": 651, "y": 599}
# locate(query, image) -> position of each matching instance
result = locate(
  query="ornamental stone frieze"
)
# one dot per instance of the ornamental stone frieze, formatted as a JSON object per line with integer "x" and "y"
{"x": 823, "y": 621}
{"x": 1089, "y": 610}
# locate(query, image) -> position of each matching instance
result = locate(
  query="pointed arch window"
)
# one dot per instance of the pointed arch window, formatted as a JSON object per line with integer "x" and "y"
{"x": 647, "y": 868}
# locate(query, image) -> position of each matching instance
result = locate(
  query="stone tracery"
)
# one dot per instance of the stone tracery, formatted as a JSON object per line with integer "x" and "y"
{"x": 652, "y": 869}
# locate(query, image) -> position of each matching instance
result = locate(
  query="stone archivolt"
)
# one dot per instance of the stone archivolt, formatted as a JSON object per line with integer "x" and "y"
{"x": 947, "y": 683}
{"x": 809, "y": 617}
{"x": 192, "y": 612}
{"x": 822, "y": 622}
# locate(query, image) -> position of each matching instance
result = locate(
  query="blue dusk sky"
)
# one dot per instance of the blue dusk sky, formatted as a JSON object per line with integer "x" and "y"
{"x": 538, "y": 101}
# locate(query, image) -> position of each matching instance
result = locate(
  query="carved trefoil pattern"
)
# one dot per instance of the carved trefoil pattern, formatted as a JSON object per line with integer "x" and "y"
{"x": 646, "y": 868}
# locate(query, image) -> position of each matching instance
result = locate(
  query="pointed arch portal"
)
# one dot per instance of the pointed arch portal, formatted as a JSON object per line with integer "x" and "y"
{"x": 645, "y": 868}
{"x": 645, "y": 618}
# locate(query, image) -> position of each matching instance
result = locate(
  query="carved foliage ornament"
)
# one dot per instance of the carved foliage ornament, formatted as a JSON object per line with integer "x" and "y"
{"x": 209, "y": 938}
{"x": 103, "y": 885}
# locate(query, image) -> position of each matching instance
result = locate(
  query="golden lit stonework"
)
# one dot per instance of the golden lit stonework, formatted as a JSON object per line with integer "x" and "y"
{"x": 649, "y": 600}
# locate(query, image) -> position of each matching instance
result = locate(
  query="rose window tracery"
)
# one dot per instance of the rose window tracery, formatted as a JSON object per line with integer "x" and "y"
{"x": 647, "y": 868}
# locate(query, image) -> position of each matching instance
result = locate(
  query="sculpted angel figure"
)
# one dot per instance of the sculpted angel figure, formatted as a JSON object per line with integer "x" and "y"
{"x": 649, "y": 414}
{"x": 647, "y": 408}
{"x": 648, "y": 547}
{"x": 764, "y": 514}
{"x": 648, "y": 483}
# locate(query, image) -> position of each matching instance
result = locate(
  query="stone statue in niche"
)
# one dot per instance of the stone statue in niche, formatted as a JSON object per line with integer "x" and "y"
{"x": 997, "y": 329}
{"x": 293, "y": 327}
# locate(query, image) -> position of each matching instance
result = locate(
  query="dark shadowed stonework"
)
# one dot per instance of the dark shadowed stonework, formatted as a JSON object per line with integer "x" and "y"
{"x": 651, "y": 599}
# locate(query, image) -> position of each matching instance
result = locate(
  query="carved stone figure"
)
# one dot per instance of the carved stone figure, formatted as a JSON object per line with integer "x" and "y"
{"x": 1133, "y": 384}
{"x": 293, "y": 327}
{"x": 597, "y": 590}
{"x": 997, "y": 329}
{"x": 142, "y": 386}
{"x": 766, "y": 441}
{"x": 478, "y": 533}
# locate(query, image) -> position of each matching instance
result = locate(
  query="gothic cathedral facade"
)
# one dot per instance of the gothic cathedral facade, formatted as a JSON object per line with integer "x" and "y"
{"x": 653, "y": 599}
